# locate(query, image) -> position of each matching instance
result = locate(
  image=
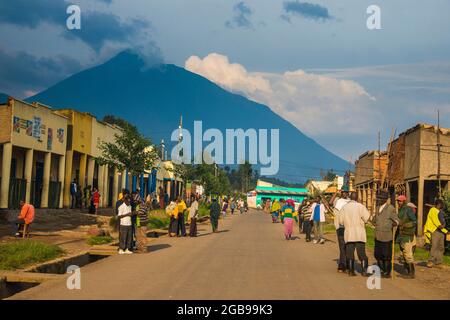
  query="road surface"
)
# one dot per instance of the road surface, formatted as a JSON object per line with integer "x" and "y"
{"x": 248, "y": 259}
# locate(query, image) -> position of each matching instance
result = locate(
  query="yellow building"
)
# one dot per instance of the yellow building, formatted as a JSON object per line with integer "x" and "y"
{"x": 33, "y": 141}
{"x": 85, "y": 133}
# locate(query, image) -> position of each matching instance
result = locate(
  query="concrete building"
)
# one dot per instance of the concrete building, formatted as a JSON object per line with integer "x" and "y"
{"x": 33, "y": 140}
{"x": 370, "y": 168}
{"x": 413, "y": 167}
{"x": 84, "y": 133}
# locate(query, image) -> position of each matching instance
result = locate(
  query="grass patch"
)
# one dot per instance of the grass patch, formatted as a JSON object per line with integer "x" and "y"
{"x": 158, "y": 219}
{"x": 96, "y": 240}
{"x": 19, "y": 254}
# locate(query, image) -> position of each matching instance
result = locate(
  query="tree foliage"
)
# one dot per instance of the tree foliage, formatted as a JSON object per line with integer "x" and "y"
{"x": 130, "y": 150}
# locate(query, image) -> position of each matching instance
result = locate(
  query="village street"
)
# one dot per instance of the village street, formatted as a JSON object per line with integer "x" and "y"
{"x": 248, "y": 259}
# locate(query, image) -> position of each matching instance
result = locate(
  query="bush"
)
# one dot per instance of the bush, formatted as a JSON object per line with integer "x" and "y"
{"x": 96, "y": 240}
{"x": 19, "y": 254}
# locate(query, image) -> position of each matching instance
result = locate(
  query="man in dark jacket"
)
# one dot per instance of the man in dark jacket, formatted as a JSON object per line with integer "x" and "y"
{"x": 214, "y": 211}
{"x": 407, "y": 235}
{"x": 385, "y": 219}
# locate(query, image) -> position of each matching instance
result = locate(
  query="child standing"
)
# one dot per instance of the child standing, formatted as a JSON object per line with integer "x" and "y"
{"x": 96, "y": 199}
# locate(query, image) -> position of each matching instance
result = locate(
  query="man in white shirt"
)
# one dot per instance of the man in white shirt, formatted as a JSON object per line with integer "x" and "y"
{"x": 193, "y": 213}
{"x": 354, "y": 216}
{"x": 338, "y": 204}
{"x": 125, "y": 231}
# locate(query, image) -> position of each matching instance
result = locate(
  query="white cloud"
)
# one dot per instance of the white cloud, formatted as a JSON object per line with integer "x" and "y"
{"x": 316, "y": 104}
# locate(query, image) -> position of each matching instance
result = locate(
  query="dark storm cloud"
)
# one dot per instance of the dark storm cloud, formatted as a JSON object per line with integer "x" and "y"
{"x": 26, "y": 13}
{"x": 242, "y": 13}
{"x": 306, "y": 10}
{"x": 21, "y": 72}
{"x": 96, "y": 27}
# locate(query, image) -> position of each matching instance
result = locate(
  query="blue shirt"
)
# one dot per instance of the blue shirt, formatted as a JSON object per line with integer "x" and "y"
{"x": 316, "y": 216}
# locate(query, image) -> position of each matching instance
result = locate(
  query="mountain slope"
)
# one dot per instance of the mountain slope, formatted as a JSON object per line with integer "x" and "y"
{"x": 154, "y": 98}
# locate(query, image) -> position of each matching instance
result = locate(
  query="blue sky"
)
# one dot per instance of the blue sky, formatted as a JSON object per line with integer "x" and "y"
{"x": 313, "y": 62}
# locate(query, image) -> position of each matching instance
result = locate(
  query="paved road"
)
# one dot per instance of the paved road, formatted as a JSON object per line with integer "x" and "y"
{"x": 249, "y": 259}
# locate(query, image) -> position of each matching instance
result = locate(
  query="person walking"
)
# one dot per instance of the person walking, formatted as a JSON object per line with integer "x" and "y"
{"x": 241, "y": 206}
{"x": 307, "y": 223}
{"x": 407, "y": 236}
{"x": 96, "y": 199}
{"x": 385, "y": 219}
{"x": 232, "y": 206}
{"x": 125, "y": 235}
{"x": 288, "y": 215}
{"x": 435, "y": 231}
{"x": 225, "y": 207}
{"x": 301, "y": 216}
{"x": 141, "y": 231}
{"x": 354, "y": 216}
{"x": 181, "y": 228}
{"x": 338, "y": 204}
{"x": 318, "y": 218}
{"x": 275, "y": 210}
{"x": 193, "y": 213}
{"x": 87, "y": 195}
{"x": 73, "y": 194}
{"x": 214, "y": 212}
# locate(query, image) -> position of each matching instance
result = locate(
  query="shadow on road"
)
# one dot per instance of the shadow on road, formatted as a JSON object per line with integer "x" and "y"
{"x": 157, "y": 247}
{"x": 209, "y": 233}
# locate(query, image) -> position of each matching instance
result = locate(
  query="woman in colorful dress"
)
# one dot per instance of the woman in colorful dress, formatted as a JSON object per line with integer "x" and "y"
{"x": 288, "y": 215}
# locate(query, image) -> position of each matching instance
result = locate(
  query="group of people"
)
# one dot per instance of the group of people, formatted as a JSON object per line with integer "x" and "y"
{"x": 132, "y": 213}
{"x": 350, "y": 218}
{"x": 176, "y": 211}
{"x": 310, "y": 216}
{"x": 88, "y": 198}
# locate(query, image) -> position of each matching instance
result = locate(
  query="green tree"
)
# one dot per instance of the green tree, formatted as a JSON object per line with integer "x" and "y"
{"x": 130, "y": 150}
{"x": 329, "y": 176}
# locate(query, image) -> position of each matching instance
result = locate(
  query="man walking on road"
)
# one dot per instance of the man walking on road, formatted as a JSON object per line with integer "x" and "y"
{"x": 318, "y": 217}
{"x": 214, "y": 211}
{"x": 354, "y": 216}
{"x": 338, "y": 204}
{"x": 407, "y": 235}
{"x": 193, "y": 213}
{"x": 385, "y": 219}
{"x": 435, "y": 232}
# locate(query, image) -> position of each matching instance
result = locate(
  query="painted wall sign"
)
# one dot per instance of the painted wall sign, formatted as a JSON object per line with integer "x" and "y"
{"x": 49, "y": 138}
{"x": 60, "y": 135}
{"x": 16, "y": 124}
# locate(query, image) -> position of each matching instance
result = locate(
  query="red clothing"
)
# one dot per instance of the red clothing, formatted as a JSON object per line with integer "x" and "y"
{"x": 96, "y": 197}
{"x": 27, "y": 213}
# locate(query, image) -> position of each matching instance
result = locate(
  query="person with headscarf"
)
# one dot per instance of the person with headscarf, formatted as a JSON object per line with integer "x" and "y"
{"x": 172, "y": 211}
{"x": 275, "y": 210}
{"x": 288, "y": 215}
{"x": 214, "y": 212}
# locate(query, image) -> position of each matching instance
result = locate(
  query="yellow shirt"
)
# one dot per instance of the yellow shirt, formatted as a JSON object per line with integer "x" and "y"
{"x": 181, "y": 206}
{"x": 432, "y": 224}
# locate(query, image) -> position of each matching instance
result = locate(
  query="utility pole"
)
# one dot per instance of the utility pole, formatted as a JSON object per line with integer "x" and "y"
{"x": 438, "y": 140}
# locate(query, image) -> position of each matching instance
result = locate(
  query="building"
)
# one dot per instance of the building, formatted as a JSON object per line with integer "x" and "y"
{"x": 84, "y": 133}
{"x": 317, "y": 187}
{"x": 265, "y": 191}
{"x": 370, "y": 170}
{"x": 33, "y": 140}
{"x": 414, "y": 166}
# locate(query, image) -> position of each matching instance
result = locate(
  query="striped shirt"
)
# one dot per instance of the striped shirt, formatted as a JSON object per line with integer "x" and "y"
{"x": 143, "y": 214}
